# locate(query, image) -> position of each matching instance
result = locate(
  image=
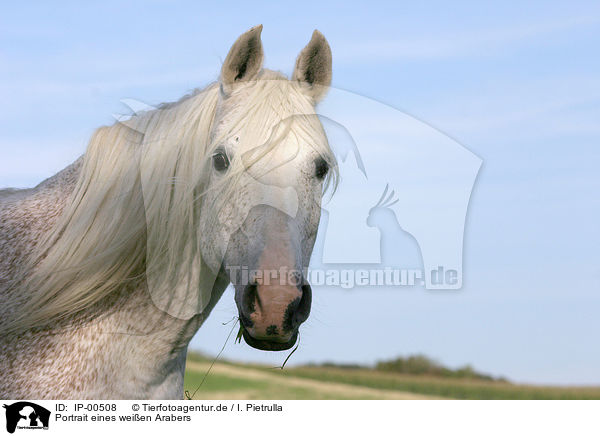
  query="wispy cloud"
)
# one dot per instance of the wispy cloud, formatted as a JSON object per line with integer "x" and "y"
{"x": 531, "y": 108}
{"x": 448, "y": 45}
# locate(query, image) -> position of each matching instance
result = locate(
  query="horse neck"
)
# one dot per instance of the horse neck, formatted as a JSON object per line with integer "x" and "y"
{"x": 139, "y": 340}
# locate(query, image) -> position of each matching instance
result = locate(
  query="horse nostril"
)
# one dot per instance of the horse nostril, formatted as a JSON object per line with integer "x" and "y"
{"x": 298, "y": 310}
{"x": 249, "y": 301}
{"x": 305, "y": 303}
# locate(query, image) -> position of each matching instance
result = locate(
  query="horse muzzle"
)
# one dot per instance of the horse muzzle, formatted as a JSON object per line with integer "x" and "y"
{"x": 271, "y": 314}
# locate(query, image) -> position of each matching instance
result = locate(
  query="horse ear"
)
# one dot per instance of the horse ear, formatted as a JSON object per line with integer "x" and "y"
{"x": 313, "y": 66}
{"x": 244, "y": 60}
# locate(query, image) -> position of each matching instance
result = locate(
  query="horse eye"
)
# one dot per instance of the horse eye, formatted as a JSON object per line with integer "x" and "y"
{"x": 321, "y": 168}
{"x": 220, "y": 161}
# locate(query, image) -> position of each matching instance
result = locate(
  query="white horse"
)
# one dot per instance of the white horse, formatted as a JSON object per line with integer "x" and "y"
{"x": 108, "y": 268}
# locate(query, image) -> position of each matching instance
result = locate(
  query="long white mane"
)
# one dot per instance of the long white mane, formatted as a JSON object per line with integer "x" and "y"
{"x": 142, "y": 183}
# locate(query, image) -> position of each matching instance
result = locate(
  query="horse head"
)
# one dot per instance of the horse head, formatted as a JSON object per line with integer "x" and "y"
{"x": 270, "y": 162}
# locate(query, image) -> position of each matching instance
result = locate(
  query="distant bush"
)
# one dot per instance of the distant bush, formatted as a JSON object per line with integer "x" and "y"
{"x": 337, "y": 365}
{"x": 423, "y": 365}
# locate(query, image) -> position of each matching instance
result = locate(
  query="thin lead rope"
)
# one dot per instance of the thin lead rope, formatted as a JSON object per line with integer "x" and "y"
{"x": 289, "y": 355}
{"x": 187, "y": 393}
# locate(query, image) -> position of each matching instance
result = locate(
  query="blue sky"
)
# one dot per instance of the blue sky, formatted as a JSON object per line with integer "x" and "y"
{"x": 518, "y": 84}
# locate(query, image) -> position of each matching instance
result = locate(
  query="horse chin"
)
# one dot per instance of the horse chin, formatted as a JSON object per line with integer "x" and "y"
{"x": 261, "y": 344}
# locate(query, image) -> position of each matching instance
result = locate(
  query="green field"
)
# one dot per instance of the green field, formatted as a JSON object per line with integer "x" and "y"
{"x": 229, "y": 380}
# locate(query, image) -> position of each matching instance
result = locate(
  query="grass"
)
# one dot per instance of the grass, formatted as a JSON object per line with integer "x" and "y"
{"x": 219, "y": 385}
{"x": 449, "y": 388}
{"x": 230, "y": 380}
{"x": 219, "y": 382}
